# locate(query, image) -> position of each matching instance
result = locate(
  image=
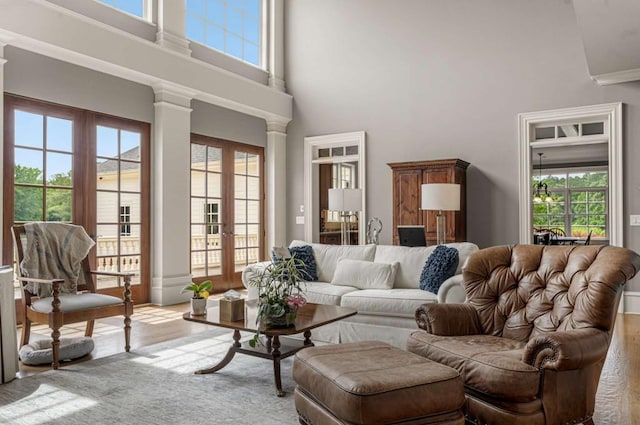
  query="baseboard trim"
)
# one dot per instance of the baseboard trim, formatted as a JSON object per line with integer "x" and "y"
{"x": 631, "y": 302}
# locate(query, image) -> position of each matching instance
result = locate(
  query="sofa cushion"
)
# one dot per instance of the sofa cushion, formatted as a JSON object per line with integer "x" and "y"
{"x": 411, "y": 261}
{"x": 489, "y": 364}
{"x": 365, "y": 274}
{"x": 440, "y": 266}
{"x": 325, "y": 293}
{"x": 327, "y": 256}
{"x": 391, "y": 302}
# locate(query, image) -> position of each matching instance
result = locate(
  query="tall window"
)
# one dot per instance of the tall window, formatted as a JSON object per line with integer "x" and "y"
{"x": 134, "y": 7}
{"x": 579, "y": 205}
{"x": 230, "y": 26}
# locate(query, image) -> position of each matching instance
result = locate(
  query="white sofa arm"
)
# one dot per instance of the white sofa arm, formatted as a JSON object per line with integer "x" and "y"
{"x": 451, "y": 291}
{"x": 248, "y": 273}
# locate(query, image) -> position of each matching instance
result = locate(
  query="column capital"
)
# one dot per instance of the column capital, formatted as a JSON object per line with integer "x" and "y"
{"x": 275, "y": 125}
{"x": 168, "y": 93}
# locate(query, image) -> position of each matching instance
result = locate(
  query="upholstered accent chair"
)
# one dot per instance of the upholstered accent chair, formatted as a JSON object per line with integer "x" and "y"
{"x": 531, "y": 339}
{"x": 58, "y": 284}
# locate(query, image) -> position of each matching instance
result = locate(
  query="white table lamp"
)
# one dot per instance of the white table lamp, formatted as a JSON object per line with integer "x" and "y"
{"x": 346, "y": 201}
{"x": 441, "y": 197}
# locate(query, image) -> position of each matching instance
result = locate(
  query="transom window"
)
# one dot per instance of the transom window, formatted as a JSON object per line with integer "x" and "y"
{"x": 134, "y": 7}
{"x": 230, "y": 26}
{"x": 579, "y": 202}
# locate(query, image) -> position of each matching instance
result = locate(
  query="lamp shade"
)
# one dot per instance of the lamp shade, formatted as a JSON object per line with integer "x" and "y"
{"x": 441, "y": 196}
{"x": 345, "y": 199}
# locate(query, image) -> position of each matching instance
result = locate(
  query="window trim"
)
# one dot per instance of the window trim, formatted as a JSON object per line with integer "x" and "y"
{"x": 611, "y": 113}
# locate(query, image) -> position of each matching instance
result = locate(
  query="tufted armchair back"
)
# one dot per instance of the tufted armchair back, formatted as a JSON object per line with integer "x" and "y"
{"x": 525, "y": 291}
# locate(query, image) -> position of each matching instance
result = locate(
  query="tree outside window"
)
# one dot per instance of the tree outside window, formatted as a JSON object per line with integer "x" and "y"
{"x": 579, "y": 205}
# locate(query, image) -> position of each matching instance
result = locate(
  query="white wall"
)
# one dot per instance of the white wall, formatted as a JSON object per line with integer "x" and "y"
{"x": 433, "y": 79}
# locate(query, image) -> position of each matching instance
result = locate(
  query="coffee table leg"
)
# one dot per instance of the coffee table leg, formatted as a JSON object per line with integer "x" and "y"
{"x": 275, "y": 353}
{"x": 227, "y": 358}
{"x": 307, "y": 339}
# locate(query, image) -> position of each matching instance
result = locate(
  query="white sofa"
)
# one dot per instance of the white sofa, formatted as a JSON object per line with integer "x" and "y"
{"x": 383, "y": 314}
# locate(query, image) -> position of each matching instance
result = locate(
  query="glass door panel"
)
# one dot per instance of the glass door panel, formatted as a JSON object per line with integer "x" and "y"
{"x": 206, "y": 209}
{"x": 247, "y": 209}
{"x": 118, "y": 203}
{"x": 226, "y": 209}
{"x": 76, "y": 166}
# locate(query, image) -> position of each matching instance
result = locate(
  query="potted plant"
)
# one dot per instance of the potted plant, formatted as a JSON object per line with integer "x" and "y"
{"x": 199, "y": 298}
{"x": 279, "y": 294}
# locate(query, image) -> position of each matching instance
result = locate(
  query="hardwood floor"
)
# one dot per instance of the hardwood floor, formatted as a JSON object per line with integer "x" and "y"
{"x": 618, "y": 392}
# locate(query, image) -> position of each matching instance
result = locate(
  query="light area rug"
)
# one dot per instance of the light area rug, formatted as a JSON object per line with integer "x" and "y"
{"x": 155, "y": 385}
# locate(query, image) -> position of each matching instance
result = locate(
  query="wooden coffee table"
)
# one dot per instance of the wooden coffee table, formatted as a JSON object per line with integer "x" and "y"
{"x": 309, "y": 316}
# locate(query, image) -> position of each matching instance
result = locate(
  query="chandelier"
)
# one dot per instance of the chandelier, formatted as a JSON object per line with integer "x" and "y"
{"x": 541, "y": 189}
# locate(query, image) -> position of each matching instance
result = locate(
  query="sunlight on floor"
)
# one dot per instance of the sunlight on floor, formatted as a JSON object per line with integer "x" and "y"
{"x": 46, "y": 402}
{"x": 187, "y": 358}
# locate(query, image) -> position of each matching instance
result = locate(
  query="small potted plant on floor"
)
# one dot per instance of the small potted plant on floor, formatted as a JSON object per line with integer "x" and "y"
{"x": 279, "y": 294}
{"x": 199, "y": 298}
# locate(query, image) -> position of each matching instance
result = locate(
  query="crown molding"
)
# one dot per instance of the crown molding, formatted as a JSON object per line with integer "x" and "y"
{"x": 617, "y": 77}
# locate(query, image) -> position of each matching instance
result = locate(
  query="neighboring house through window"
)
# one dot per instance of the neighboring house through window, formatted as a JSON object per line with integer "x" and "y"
{"x": 212, "y": 215}
{"x": 230, "y": 26}
{"x": 125, "y": 220}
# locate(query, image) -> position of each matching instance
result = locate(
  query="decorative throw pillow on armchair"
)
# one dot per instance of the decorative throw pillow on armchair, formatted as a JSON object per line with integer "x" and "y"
{"x": 440, "y": 266}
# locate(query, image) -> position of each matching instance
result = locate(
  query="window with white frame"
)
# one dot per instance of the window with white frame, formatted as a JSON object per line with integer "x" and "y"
{"x": 230, "y": 26}
{"x": 134, "y": 7}
{"x": 579, "y": 202}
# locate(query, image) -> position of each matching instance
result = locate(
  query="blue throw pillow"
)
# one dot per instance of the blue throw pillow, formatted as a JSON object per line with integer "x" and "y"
{"x": 305, "y": 253}
{"x": 440, "y": 266}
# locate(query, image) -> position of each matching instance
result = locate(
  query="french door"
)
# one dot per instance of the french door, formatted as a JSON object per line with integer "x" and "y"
{"x": 71, "y": 165}
{"x": 227, "y": 209}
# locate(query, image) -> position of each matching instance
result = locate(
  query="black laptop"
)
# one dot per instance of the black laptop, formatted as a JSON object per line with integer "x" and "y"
{"x": 411, "y": 236}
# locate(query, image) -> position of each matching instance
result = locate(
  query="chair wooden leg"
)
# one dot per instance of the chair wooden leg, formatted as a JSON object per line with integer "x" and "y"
{"x": 89, "y": 330}
{"x": 26, "y": 331}
{"x": 127, "y": 332}
{"x": 55, "y": 348}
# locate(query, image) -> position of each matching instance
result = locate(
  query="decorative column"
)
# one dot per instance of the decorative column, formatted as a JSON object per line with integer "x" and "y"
{"x": 2, "y": 62}
{"x": 170, "y": 199}
{"x": 172, "y": 26}
{"x": 276, "y": 170}
{"x": 276, "y": 44}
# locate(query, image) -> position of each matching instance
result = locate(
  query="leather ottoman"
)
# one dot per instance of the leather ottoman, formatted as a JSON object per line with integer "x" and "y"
{"x": 374, "y": 383}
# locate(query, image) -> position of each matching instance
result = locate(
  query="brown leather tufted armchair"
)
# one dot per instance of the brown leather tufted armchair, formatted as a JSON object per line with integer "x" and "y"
{"x": 532, "y": 337}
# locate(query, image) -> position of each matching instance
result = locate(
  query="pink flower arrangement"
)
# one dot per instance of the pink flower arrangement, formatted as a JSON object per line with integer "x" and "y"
{"x": 296, "y": 301}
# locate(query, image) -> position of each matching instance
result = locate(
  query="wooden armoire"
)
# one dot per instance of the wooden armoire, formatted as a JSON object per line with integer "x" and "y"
{"x": 408, "y": 177}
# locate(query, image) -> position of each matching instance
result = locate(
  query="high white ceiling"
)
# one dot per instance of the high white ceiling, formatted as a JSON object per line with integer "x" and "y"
{"x": 611, "y": 37}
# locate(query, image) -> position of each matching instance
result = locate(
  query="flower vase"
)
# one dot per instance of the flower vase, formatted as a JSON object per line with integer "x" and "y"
{"x": 198, "y": 306}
